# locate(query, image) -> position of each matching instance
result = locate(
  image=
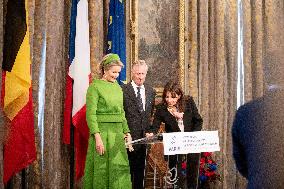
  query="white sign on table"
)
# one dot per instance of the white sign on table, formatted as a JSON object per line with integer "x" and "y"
{"x": 190, "y": 142}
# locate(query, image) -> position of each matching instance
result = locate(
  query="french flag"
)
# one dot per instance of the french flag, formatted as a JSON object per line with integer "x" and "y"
{"x": 77, "y": 83}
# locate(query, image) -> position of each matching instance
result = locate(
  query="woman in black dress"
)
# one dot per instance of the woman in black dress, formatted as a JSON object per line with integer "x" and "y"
{"x": 180, "y": 114}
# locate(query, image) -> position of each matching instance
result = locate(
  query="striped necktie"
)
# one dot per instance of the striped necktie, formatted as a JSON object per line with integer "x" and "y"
{"x": 140, "y": 103}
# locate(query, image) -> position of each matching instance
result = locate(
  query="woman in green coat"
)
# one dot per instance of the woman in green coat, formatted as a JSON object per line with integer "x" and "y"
{"x": 107, "y": 164}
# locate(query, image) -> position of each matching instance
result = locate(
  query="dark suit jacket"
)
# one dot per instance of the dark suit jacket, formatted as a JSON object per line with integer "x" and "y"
{"x": 138, "y": 121}
{"x": 192, "y": 121}
{"x": 258, "y": 141}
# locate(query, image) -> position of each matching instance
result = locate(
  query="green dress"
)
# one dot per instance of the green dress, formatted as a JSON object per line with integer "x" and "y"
{"x": 105, "y": 115}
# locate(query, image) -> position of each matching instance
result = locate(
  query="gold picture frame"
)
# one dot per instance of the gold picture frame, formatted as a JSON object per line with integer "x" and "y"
{"x": 133, "y": 41}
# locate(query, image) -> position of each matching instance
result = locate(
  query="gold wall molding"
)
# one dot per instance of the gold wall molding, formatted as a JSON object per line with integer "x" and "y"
{"x": 133, "y": 29}
{"x": 182, "y": 43}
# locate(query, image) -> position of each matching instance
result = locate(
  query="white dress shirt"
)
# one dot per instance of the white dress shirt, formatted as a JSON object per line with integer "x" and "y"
{"x": 142, "y": 92}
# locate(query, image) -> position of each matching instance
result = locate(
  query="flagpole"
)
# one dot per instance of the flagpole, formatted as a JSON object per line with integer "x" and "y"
{"x": 72, "y": 160}
{"x": 9, "y": 184}
{"x": 24, "y": 179}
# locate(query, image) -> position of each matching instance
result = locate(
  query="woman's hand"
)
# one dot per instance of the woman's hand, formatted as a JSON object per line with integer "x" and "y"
{"x": 149, "y": 135}
{"x": 175, "y": 113}
{"x": 125, "y": 136}
{"x": 178, "y": 115}
{"x": 99, "y": 144}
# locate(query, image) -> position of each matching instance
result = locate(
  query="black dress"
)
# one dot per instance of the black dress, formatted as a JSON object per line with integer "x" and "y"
{"x": 192, "y": 121}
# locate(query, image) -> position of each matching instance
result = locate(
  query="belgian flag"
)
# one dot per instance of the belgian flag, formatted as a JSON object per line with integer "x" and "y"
{"x": 16, "y": 98}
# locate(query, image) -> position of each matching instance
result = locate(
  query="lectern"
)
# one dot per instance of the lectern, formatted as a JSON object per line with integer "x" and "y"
{"x": 163, "y": 171}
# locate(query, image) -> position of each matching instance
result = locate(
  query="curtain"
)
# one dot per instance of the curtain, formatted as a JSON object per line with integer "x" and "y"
{"x": 50, "y": 21}
{"x": 253, "y": 48}
{"x": 213, "y": 73}
{"x": 263, "y": 36}
{"x": 1, "y": 58}
{"x": 97, "y": 33}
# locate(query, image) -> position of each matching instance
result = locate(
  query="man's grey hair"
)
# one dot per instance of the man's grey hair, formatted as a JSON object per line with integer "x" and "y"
{"x": 139, "y": 63}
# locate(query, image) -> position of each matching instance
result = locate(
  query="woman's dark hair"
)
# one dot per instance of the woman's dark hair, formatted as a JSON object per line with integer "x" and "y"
{"x": 175, "y": 89}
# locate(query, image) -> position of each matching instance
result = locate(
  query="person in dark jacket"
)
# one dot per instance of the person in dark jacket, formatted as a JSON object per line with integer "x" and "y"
{"x": 258, "y": 132}
{"x": 180, "y": 114}
{"x": 138, "y": 101}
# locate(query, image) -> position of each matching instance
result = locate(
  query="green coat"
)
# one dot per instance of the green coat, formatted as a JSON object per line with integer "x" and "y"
{"x": 105, "y": 115}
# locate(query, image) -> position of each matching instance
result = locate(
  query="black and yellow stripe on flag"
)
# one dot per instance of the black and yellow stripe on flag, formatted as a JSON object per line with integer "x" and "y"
{"x": 19, "y": 148}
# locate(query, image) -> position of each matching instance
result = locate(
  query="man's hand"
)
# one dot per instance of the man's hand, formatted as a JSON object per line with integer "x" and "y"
{"x": 128, "y": 140}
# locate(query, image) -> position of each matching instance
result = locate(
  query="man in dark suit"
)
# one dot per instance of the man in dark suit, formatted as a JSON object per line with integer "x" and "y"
{"x": 258, "y": 133}
{"x": 138, "y": 99}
